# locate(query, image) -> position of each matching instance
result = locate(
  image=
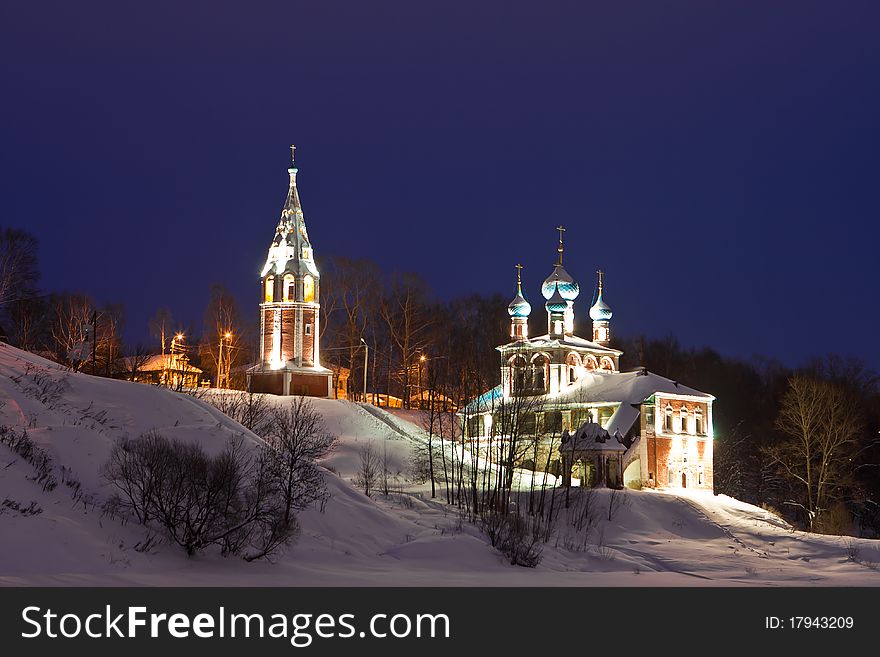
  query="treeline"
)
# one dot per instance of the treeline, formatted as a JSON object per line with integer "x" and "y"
{"x": 74, "y": 330}
{"x": 802, "y": 441}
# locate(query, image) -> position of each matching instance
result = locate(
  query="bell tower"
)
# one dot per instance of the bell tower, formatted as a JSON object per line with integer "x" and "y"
{"x": 289, "y": 309}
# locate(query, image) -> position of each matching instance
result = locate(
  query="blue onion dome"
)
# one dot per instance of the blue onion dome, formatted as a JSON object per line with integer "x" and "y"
{"x": 556, "y": 303}
{"x": 519, "y": 307}
{"x": 600, "y": 311}
{"x": 562, "y": 281}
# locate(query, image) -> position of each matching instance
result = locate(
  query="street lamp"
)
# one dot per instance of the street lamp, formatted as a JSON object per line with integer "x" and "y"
{"x": 366, "y": 357}
{"x": 420, "y": 393}
{"x": 226, "y": 336}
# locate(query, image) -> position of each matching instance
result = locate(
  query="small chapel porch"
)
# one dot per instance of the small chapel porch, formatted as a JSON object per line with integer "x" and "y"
{"x": 593, "y": 457}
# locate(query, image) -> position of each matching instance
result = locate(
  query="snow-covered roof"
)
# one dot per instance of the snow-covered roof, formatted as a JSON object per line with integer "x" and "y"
{"x": 291, "y": 250}
{"x": 547, "y": 342}
{"x": 591, "y": 437}
{"x": 158, "y": 362}
{"x": 627, "y": 389}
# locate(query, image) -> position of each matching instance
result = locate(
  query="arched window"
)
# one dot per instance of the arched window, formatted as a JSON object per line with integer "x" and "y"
{"x": 270, "y": 289}
{"x": 308, "y": 289}
{"x": 539, "y": 374}
{"x": 607, "y": 364}
{"x": 289, "y": 287}
{"x": 517, "y": 375}
{"x": 683, "y": 414}
{"x": 667, "y": 425}
{"x": 573, "y": 361}
{"x": 698, "y": 421}
{"x": 591, "y": 363}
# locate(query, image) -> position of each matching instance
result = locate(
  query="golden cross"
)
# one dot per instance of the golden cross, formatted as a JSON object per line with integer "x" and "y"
{"x": 518, "y": 270}
{"x": 292, "y": 153}
{"x": 559, "y": 249}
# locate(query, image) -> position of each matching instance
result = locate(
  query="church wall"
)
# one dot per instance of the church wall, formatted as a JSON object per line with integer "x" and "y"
{"x": 308, "y": 351}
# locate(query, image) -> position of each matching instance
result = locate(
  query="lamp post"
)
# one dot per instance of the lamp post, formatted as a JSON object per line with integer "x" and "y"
{"x": 220, "y": 374}
{"x": 366, "y": 356}
{"x": 421, "y": 396}
{"x": 170, "y": 365}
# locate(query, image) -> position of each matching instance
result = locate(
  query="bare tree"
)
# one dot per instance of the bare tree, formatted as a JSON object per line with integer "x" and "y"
{"x": 19, "y": 271}
{"x": 822, "y": 422}
{"x": 298, "y": 437}
{"x": 225, "y": 343}
{"x": 368, "y": 469}
{"x": 229, "y": 500}
{"x": 72, "y": 316}
{"x": 404, "y": 310}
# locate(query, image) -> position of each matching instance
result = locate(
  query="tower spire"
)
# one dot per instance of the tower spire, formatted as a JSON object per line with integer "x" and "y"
{"x": 561, "y": 230}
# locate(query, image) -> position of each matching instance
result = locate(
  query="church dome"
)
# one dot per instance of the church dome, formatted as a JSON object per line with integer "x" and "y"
{"x": 600, "y": 311}
{"x": 556, "y": 303}
{"x": 519, "y": 307}
{"x": 562, "y": 281}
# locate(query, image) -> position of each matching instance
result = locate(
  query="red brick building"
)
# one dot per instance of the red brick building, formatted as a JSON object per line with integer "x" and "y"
{"x": 290, "y": 287}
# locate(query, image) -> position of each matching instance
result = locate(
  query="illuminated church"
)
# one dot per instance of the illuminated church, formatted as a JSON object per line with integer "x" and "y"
{"x": 290, "y": 287}
{"x": 600, "y": 426}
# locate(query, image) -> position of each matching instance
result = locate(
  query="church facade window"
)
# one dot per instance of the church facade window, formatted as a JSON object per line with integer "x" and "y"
{"x": 683, "y": 415}
{"x": 699, "y": 425}
{"x": 289, "y": 287}
{"x": 667, "y": 424}
{"x": 269, "y": 295}
{"x": 308, "y": 289}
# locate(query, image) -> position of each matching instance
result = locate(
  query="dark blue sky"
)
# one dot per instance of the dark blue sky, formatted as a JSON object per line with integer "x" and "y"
{"x": 719, "y": 160}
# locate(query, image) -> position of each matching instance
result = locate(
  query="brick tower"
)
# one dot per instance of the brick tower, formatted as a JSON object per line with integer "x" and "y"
{"x": 289, "y": 313}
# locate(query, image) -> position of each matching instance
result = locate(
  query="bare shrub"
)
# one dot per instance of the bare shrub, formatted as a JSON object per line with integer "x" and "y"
{"x": 250, "y": 409}
{"x": 519, "y": 538}
{"x": 853, "y": 552}
{"x": 616, "y": 501}
{"x": 34, "y": 455}
{"x": 368, "y": 469}
{"x": 230, "y": 500}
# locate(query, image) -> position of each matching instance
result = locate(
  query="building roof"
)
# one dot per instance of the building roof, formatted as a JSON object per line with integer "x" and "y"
{"x": 628, "y": 389}
{"x": 558, "y": 342}
{"x": 158, "y": 362}
{"x": 291, "y": 251}
{"x": 592, "y": 438}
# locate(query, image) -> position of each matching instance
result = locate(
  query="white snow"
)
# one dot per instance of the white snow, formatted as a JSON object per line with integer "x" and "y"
{"x": 656, "y": 539}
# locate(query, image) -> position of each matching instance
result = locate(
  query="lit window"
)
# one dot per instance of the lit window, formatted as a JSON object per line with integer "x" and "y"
{"x": 668, "y": 423}
{"x": 698, "y": 421}
{"x": 684, "y": 419}
{"x": 270, "y": 289}
{"x": 289, "y": 287}
{"x": 308, "y": 289}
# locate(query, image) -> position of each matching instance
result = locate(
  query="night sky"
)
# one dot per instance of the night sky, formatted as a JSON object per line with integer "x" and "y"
{"x": 719, "y": 160}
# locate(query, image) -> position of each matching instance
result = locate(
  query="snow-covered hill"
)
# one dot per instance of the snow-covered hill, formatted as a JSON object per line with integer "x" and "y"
{"x": 654, "y": 538}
